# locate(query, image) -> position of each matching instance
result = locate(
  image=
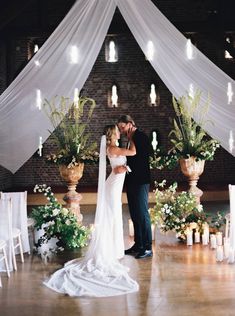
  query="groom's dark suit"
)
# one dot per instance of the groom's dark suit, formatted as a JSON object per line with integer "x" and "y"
{"x": 137, "y": 184}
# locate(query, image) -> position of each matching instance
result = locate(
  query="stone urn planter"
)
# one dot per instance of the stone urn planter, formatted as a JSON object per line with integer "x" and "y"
{"x": 192, "y": 169}
{"x": 72, "y": 198}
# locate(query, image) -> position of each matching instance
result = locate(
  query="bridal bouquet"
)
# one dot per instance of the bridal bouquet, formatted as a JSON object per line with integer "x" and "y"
{"x": 176, "y": 210}
{"x": 57, "y": 221}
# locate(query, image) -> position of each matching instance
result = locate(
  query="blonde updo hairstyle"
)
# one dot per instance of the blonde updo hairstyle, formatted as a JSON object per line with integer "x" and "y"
{"x": 109, "y": 132}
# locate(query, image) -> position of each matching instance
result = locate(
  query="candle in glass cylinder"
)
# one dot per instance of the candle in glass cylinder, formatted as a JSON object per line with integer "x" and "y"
{"x": 131, "y": 228}
{"x": 213, "y": 241}
{"x": 189, "y": 235}
{"x": 219, "y": 239}
{"x": 206, "y": 231}
{"x": 231, "y": 255}
{"x": 153, "y": 231}
{"x": 204, "y": 239}
{"x": 219, "y": 253}
{"x": 226, "y": 249}
{"x": 197, "y": 236}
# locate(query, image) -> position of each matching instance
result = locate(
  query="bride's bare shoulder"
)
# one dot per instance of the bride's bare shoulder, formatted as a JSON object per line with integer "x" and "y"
{"x": 112, "y": 151}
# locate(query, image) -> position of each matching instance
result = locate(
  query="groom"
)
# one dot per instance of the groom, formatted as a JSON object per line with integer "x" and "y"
{"x": 137, "y": 185}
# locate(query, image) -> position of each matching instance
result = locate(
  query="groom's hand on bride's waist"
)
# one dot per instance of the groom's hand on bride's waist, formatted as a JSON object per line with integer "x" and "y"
{"x": 119, "y": 169}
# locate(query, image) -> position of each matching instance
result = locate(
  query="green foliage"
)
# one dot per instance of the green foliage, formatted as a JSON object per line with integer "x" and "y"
{"x": 161, "y": 160}
{"x": 59, "y": 222}
{"x": 70, "y": 135}
{"x": 188, "y": 137}
{"x": 176, "y": 210}
{"x": 217, "y": 220}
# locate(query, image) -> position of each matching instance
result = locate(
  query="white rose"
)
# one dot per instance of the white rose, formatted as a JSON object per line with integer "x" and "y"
{"x": 55, "y": 211}
{"x": 65, "y": 211}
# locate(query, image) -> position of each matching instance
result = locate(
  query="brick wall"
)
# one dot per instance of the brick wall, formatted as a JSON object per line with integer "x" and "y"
{"x": 133, "y": 75}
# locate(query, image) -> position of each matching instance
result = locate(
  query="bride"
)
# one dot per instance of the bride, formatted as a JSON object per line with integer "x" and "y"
{"x": 100, "y": 273}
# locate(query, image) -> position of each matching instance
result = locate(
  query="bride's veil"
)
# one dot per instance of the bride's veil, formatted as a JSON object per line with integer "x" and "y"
{"x": 101, "y": 181}
{"x": 101, "y": 245}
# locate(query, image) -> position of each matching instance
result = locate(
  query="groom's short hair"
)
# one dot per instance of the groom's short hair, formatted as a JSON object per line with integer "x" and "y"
{"x": 126, "y": 119}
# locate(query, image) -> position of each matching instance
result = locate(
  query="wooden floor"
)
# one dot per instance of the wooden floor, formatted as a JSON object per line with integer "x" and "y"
{"x": 177, "y": 281}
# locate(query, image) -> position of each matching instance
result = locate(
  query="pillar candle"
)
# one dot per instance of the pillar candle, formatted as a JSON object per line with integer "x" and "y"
{"x": 204, "y": 239}
{"x": 219, "y": 253}
{"x": 219, "y": 239}
{"x": 226, "y": 249}
{"x": 189, "y": 235}
{"x": 231, "y": 255}
{"x": 197, "y": 236}
{"x": 213, "y": 241}
{"x": 131, "y": 228}
{"x": 153, "y": 231}
{"x": 206, "y": 231}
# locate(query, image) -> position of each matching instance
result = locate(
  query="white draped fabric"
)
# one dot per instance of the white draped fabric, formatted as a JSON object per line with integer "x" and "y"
{"x": 62, "y": 64}
{"x": 182, "y": 67}
{"x": 66, "y": 59}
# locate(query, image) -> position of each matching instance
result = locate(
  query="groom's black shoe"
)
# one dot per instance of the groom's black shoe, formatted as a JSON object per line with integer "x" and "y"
{"x": 132, "y": 251}
{"x": 144, "y": 254}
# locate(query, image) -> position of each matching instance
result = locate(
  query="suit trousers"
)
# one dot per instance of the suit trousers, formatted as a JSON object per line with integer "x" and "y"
{"x": 137, "y": 196}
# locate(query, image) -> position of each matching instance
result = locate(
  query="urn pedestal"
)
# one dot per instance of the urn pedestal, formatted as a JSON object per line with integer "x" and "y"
{"x": 192, "y": 169}
{"x": 72, "y": 198}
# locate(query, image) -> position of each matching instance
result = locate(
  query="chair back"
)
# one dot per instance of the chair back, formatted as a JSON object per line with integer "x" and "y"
{"x": 19, "y": 215}
{"x": 6, "y": 228}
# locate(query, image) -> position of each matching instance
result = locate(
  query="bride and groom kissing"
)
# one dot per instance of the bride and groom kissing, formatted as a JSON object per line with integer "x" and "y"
{"x": 99, "y": 273}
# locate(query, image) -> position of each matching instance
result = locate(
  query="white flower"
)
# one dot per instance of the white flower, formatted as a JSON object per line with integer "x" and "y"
{"x": 55, "y": 211}
{"x": 200, "y": 208}
{"x": 51, "y": 223}
{"x": 65, "y": 211}
{"x": 67, "y": 222}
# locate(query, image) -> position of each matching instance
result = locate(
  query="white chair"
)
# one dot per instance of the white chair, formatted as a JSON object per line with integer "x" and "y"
{"x": 20, "y": 226}
{"x": 6, "y": 239}
{"x": 3, "y": 246}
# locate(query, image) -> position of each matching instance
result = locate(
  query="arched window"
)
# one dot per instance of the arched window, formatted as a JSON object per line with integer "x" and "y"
{"x": 111, "y": 54}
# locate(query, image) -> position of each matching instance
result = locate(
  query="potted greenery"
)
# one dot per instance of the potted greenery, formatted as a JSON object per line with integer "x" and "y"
{"x": 190, "y": 142}
{"x": 56, "y": 227}
{"x": 176, "y": 211}
{"x": 72, "y": 141}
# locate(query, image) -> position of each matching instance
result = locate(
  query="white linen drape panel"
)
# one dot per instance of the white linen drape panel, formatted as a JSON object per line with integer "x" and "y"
{"x": 178, "y": 72}
{"x": 83, "y": 30}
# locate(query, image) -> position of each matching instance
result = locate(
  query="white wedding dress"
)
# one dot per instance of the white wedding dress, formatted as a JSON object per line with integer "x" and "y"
{"x": 100, "y": 273}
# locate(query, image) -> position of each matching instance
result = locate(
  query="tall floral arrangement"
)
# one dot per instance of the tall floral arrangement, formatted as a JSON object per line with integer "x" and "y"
{"x": 70, "y": 134}
{"x": 176, "y": 210}
{"x": 188, "y": 137}
{"x": 57, "y": 221}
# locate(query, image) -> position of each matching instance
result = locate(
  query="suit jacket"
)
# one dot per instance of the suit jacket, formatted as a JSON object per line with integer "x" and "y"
{"x": 139, "y": 164}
